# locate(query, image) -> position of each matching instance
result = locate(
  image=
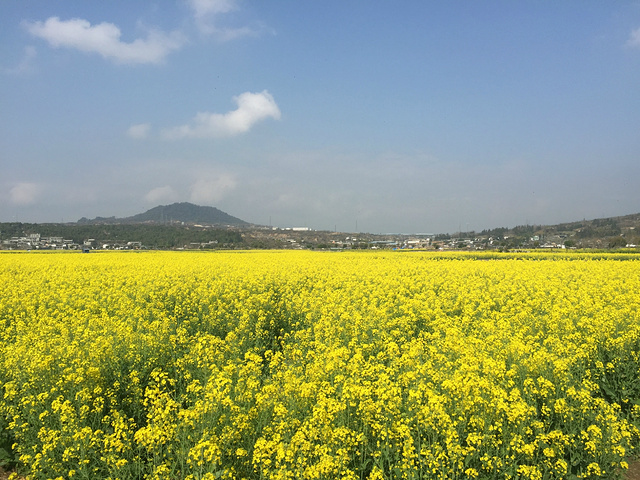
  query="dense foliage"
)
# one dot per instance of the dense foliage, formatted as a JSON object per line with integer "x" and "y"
{"x": 277, "y": 365}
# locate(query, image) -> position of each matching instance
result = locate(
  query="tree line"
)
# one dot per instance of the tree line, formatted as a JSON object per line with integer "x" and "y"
{"x": 149, "y": 235}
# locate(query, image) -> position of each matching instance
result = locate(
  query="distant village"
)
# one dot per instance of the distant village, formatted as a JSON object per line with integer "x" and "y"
{"x": 291, "y": 238}
{"x": 34, "y": 241}
{"x": 185, "y": 226}
{"x": 305, "y": 238}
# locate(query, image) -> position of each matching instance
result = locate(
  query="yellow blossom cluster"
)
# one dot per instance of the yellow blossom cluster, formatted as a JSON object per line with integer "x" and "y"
{"x": 319, "y": 365}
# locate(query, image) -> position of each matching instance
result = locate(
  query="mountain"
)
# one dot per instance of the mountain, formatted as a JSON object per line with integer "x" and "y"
{"x": 183, "y": 212}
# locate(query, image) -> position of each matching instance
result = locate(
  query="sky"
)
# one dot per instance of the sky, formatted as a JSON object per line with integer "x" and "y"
{"x": 364, "y": 116}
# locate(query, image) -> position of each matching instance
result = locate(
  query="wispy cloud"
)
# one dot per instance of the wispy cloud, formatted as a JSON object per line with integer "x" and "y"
{"x": 104, "y": 39}
{"x": 161, "y": 194}
{"x": 25, "y": 193}
{"x": 26, "y": 64}
{"x": 207, "y": 13}
{"x": 202, "y": 8}
{"x": 252, "y": 108}
{"x": 212, "y": 189}
{"x": 139, "y": 131}
{"x": 634, "y": 38}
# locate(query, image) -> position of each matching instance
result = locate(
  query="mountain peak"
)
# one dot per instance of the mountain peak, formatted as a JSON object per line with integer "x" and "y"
{"x": 183, "y": 212}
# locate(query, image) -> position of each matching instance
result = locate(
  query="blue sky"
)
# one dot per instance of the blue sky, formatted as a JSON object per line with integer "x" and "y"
{"x": 377, "y": 116}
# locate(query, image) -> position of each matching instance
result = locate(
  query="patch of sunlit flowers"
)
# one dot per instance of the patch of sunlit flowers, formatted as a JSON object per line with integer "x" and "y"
{"x": 319, "y": 365}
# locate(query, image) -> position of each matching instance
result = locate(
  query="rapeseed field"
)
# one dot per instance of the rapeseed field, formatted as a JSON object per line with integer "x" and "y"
{"x": 319, "y": 365}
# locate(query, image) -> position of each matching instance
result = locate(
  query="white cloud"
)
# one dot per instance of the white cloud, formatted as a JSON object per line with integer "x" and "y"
{"x": 213, "y": 189}
{"x": 24, "y": 193}
{"x": 139, "y": 131}
{"x": 634, "y": 38}
{"x": 161, "y": 194}
{"x": 202, "y": 8}
{"x": 252, "y": 108}
{"x": 26, "y": 64}
{"x": 207, "y": 12}
{"x": 104, "y": 39}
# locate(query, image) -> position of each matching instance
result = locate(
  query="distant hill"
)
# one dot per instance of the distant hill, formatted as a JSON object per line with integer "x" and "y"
{"x": 184, "y": 225}
{"x": 183, "y": 212}
{"x": 610, "y": 232}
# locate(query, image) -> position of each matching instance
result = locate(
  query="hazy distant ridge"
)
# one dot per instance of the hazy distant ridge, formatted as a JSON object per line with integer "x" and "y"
{"x": 176, "y": 212}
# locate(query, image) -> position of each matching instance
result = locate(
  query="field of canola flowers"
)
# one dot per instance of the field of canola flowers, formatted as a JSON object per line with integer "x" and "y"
{"x": 319, "y": 365}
